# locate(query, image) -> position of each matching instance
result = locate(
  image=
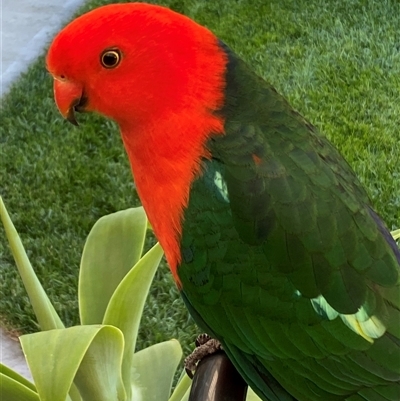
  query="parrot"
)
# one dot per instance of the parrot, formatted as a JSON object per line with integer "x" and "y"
{"x": 272, "y": 241}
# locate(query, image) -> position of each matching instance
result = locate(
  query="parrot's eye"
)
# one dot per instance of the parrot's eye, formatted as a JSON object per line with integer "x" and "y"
{"x": 110, "y": 58}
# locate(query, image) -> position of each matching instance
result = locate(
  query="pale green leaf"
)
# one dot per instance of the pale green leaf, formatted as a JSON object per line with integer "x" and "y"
{"x": 252, "y": 396}
{"x": 187, "y": 395}
{"x": 74, "y": 394}
{"x": 153, "y": 370}
{"x": 91, "y": 353}
{"x": 113, "y": 246}
{"x": 6, "y": 371}
{"x": 182, "y": 389}
{"x": 44, "y": 310}
{"x": 396, "y": 234}
{"x": 99, "y": 377}
{"x": 13, "y": 390}
{"x": 126, "y": 305}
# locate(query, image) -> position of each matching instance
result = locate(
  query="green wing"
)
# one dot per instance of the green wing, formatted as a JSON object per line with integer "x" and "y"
{"x": 284, "y": 260}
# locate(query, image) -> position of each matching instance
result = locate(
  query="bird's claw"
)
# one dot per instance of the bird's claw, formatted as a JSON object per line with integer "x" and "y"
{"x": 205, "y": 345}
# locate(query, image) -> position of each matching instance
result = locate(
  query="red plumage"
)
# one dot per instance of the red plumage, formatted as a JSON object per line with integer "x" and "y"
{"x": 162, "y": 73}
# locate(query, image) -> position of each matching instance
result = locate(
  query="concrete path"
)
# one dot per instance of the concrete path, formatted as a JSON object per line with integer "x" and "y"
{"x": 11, "y": 354}
{"x": 27, "y": 27}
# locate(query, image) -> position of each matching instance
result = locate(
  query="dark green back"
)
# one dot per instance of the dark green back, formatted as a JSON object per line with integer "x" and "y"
{"x": 284, "y": 260}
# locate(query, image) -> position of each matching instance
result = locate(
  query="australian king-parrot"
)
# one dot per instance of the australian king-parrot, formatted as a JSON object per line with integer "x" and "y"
{"x": 270, "y": 237}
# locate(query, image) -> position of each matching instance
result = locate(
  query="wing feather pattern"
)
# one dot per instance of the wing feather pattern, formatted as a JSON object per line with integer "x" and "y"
{"x": 289, "y": 266}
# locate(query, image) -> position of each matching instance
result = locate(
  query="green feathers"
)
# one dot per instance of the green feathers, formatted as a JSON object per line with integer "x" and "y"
{"x": 289, "y": 266}
{"x": 364, "y": 322}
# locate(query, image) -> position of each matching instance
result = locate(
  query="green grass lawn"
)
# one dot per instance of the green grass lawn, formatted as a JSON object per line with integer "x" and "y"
{"x": 338, "y": 62}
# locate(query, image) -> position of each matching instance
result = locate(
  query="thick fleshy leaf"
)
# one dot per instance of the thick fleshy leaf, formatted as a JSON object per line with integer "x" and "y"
{"x": 126, "y": 305}
{"x": 252, "y": 396}
{"x": 13, "y": 390}
{"x": 396, "y": 234}
{"x": 153, "y": 370}
{"x": 91, "y": 353}
{"x": 186, "y": 396}
{"x": 99, "y": 377}
{"x": 44, "y": 310}
{"x": 182, "y": 389}
{"x": 113, "y": 246}
{"x": 74, "y": 394}
{"x": 6, "y": 371}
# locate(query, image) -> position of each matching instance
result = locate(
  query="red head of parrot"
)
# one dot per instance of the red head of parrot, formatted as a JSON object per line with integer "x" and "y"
{"x": 160, "y": 76}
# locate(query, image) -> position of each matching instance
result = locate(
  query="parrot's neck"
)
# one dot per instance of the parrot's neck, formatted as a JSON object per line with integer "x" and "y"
{"x": 165, "y": 151}
{"x": 164, "y": 168}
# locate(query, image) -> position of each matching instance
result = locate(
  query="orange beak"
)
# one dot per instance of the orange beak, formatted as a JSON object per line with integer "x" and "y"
{"x": 68, "y": 96}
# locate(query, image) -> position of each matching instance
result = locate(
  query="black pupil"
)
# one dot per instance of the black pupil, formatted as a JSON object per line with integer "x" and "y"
{"x": 110, "y": 59}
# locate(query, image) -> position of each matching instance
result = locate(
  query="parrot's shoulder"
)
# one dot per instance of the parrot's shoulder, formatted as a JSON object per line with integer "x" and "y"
{"x": 280, "y": 243}
{"x": 291, "y": 193}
